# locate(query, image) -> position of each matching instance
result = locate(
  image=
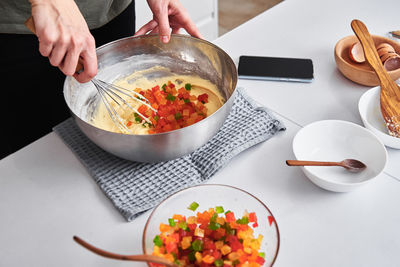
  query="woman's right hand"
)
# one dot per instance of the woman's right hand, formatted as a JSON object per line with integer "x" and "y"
{"x": 64, "y": 37}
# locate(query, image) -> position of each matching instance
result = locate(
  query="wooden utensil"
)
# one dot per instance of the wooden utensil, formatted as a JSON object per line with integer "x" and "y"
{"x": 395, "y": 34}
{"x": 390, "y": 91}
{"x": 352, "y": 165}
{"x": 144, "y": 257}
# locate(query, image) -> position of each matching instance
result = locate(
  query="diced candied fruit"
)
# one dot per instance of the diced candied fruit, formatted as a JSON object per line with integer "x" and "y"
{"x": 210, "y": 238}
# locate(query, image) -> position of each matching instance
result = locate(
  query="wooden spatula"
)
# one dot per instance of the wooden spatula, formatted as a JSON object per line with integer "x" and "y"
{"x": 390, "y": 91}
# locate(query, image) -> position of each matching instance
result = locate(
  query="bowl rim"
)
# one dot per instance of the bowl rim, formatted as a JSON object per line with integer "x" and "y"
{"x": 365, "y": 99}
{"x": 350, "y": 124}
{"x": 354, "y": 66}
{"x": 216, "y": 185}
{"x": 173, "y": 35}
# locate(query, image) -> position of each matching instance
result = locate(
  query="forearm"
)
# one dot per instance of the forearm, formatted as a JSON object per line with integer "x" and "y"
{"x": 64, "y": 37}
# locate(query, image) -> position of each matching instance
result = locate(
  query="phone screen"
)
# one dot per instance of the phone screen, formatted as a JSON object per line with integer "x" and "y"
{"x": 276, "y": 68}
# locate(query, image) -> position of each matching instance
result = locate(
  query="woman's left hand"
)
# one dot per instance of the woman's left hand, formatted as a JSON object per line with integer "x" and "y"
{"x": 167, "y": 15}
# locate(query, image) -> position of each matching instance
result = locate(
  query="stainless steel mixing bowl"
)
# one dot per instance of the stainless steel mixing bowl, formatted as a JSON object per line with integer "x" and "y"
{"x": 183, "y": 55}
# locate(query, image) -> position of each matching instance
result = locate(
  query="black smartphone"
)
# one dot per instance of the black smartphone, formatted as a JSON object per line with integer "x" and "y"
{"x": 276, "y": 68}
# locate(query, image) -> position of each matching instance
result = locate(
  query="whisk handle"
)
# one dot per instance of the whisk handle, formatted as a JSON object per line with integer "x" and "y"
{"x": 30, "y": 24}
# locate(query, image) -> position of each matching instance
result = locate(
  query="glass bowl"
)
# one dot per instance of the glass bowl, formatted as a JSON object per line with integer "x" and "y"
{"x": 210, "y": 196}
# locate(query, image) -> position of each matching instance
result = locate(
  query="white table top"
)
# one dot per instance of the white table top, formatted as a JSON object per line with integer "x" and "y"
{"x": 47, "y": 196}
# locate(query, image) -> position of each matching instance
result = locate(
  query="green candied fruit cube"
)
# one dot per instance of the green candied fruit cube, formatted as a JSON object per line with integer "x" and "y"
{"x": 158, "y": 241}
{"x": 171, "y": 222}
{"x": 219, "y": 209}
{"x": 193, "y": 206}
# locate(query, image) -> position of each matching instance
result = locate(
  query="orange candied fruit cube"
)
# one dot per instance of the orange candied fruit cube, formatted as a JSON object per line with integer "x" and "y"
{"x": 248, "y": 250}
{"x": 198, "y": 257}
{"x": 203, "y": 217}
{"x": 142, "y": 109}
{"x": 186, "y": 242}
{"x": 164, "y": 227}
{"x": 155, "y": 105}
{"x": 171, "y": 117}
{"x": 208, "y": 259}
{"x": 219, "y": 244}
{"x": 254, "y": 264}
{"x": 221, "y": 220}
{"x": 233, "y": 256}
{"x": 186, "y": 112}
{"x": 181, "y": 90}
{"x": 169, "y": 257}
{"x": 226, "y": 249}
{"x": 199, "y": 232}
{"x": 177, "y": 217}
{"x": 191, "y": 220}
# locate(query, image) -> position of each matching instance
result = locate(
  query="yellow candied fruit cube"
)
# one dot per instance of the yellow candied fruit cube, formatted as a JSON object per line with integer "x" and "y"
{"x": 211, "y": 211}
{"x": 191, "y": 220}
{"x": 198, "y": 257}
{"x": 186, "y": 242}
{"x": 221, "y": 220}
{"x": 248, "y": 234}
{"x": 219, "y": 244}
{"x": 255, "y": 244}
{"x": 156, "y": 250}
{"x": 260, "y": 238}
{"x": 247, "y": 250}
{"x": 199, "y": 232}
{"x": 247, "y": 242}
{"x": 233, "y": 256}
{"x": 208, "y": 259}
{"x": 226, "y": 250}
{"x": 228, "y": 263}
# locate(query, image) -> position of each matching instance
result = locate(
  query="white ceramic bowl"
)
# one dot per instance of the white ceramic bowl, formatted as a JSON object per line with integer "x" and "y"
{"x": 334, "y": 140}
{"x": 371, "y": 115}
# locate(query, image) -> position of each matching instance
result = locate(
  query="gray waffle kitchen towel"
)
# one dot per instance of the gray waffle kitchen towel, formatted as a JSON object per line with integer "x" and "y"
{"x": 135, "y": 187}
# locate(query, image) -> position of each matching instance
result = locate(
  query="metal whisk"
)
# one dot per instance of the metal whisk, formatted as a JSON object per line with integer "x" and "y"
{"x": 115, "y": 93}
{"x": 109, "y": 91}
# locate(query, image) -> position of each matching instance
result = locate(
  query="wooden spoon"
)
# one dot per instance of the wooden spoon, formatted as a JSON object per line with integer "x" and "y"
{"x": 395, "y": 34}
{"x": 351, "y": 165}
{"x": 144, "y": 257}
{"x": 390, "y": 91}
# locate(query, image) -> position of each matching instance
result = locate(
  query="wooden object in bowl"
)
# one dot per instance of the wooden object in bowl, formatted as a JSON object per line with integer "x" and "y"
{"x": 361, "y": 73}
{"x": 390, "y": 91}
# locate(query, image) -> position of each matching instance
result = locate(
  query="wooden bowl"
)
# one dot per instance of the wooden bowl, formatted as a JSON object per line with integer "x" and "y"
{"x": 361, "y": 73}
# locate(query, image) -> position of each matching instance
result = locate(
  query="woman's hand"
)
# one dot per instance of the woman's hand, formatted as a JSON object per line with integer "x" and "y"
{"x": 167, "y": 15}
{"x": 64, "y": 37}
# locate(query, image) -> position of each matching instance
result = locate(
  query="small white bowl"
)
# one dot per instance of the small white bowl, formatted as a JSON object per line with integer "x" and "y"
{"x": 335, "y": 140}
{"x": 371, "y": 115}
